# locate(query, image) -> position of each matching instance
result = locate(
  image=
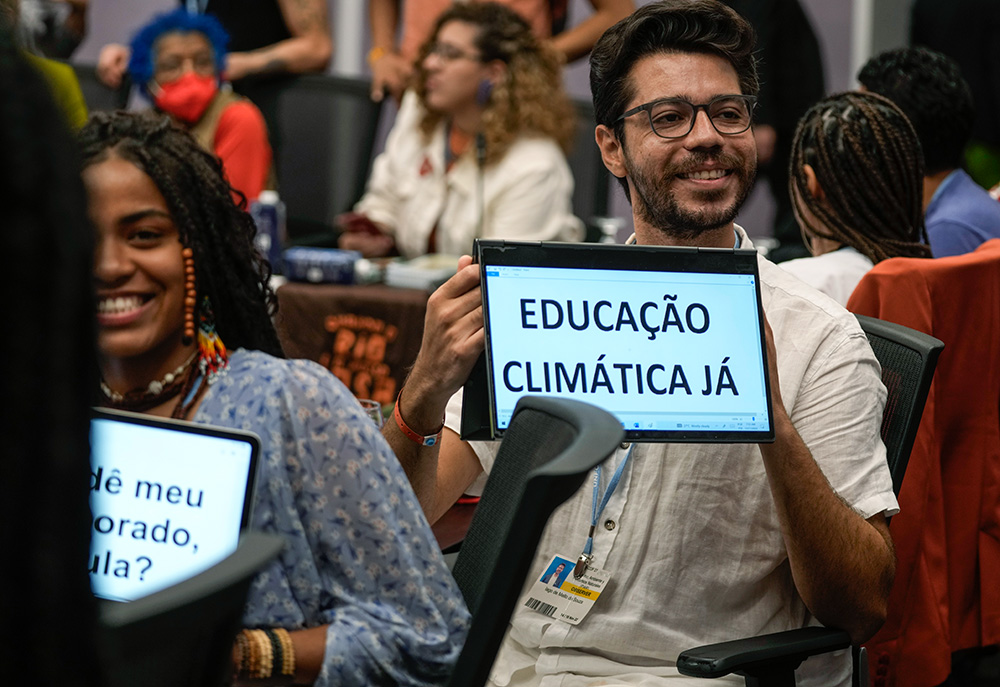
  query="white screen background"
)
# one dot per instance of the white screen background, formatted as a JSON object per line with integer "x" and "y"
{"x": 206, "y": 469}
{"x": 732, "y": 335}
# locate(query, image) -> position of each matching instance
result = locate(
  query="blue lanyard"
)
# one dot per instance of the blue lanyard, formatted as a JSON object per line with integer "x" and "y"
{"x": 596, "y": 510}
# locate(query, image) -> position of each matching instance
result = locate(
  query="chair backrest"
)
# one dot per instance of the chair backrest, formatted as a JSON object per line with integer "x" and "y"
{"x": 96, "y": 94}
{"x": 183, "y": 635}
{"x": 591, "y": 179}
{"x": 328, "y": 131}
{"x": 908, "y": 359}
{"x": 548, "y": 449}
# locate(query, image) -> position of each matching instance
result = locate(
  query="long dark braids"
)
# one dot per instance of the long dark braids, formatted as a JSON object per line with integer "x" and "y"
{"x": 220, "y": 232}
{"x": 867, "y": 160}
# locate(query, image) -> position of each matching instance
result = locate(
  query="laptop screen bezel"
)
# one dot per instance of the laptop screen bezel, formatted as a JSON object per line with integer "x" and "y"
{"x": 479, "y": 414}
{"x": 249, "y": 438}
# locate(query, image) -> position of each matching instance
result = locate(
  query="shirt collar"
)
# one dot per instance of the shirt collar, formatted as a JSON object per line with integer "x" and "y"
{"x": 945, "y": 183}
{"x": 741, "y": 241}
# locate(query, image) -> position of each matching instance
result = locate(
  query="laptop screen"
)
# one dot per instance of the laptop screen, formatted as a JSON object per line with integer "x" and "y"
{"x": 668, "y": 340}
{"x": 168, "y": 500}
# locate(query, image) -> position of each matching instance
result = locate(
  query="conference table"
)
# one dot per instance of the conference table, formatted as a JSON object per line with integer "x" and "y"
{"x": 367, "y": 335}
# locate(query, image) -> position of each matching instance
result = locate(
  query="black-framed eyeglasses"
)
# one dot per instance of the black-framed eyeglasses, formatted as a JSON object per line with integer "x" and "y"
{"x": 674, "y": 117}
{"x": 450, "y": 52}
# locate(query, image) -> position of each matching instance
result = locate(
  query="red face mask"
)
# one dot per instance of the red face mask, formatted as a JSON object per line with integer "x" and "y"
{"x": 186, "y": 97}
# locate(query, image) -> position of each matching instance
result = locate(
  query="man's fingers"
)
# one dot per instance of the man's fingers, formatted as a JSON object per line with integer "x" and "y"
{"x": 463, "y": 281}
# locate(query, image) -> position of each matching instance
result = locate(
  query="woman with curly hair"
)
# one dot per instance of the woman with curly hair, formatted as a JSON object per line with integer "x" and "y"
{"x": 178, "y": 60}
{"x": 360, "y": 595}
{"x": 478, "y": 147}
{"x": 856, "y": 181}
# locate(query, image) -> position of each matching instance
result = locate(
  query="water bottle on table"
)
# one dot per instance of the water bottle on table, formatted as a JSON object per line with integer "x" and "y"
{"x": 268, "y": 213}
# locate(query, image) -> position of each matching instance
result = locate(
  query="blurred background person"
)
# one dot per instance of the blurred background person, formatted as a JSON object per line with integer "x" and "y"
{"x": 177, "y": 60}
{"x": 856, "y": 185}
{"x": 393, "y": 60}
{"x": 791, "y": 81}
{"x": 61, "y": 78}
{"x": 54, "y": 28}
{"x": 50, "y": 373}
{"x": 928, "y": 87}
{"x": 967, "y": 31}
{"x": 478, "y": 147}
{"x": 270, "y": 41}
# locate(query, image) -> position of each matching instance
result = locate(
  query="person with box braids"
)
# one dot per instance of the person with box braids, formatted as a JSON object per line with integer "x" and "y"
{"x": 360, "y": 594}
{"x": 856, "y": 181}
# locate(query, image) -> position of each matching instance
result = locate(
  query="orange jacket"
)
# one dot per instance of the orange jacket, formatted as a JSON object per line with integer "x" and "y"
{"x": 946, "y": 595}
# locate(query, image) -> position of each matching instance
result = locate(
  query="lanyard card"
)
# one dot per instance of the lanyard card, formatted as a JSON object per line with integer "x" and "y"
{"x": 560, "y": 595}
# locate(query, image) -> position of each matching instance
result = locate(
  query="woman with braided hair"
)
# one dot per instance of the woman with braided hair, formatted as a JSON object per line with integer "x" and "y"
{"x": 360, "y": 594}
{"x": 478, "y": 147}
{"x": 856, "y": 181}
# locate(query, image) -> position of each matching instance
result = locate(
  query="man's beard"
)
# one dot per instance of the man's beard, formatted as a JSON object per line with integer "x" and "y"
{"x": 657, "y": 205}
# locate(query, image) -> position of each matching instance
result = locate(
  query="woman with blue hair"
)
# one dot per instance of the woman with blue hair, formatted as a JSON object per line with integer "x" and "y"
{"x": 177, "y": 60}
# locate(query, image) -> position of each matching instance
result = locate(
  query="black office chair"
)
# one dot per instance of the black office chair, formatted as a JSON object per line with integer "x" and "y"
{"x": 908, "y": 359}
{"x": 591, "y": 179}
{"x": 183, "y": 635}
{"x": 96, "y": 94}
{"x": 329, "y": 126}
{"x": 546, "y": 453}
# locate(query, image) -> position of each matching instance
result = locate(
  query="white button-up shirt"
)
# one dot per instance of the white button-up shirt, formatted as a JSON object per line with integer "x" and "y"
{"x": 525, "y": 195}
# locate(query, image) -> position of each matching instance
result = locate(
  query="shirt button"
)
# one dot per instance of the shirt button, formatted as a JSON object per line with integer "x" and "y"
{"x": 609, "y": 525}
{"x": 625, "y": 444}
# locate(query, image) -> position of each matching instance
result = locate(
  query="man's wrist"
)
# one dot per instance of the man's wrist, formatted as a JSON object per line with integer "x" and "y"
{"x": 428, "y": 439}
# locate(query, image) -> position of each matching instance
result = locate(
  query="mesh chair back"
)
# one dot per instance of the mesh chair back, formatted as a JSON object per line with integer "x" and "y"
{"x": 908, "y": 359}
{"x": 96, "y": 94}
{"x": 328, "y": 126}
{"x": 183, "y": 635}
{"x": 546, "y": 453}
{"x": 591, "y": 179}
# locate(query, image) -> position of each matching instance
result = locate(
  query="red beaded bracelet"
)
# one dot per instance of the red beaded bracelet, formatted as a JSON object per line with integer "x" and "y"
{"x": 423, "y": 440}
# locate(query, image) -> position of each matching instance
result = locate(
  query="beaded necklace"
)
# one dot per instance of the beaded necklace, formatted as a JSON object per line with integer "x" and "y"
{"x": 179, "y": 382}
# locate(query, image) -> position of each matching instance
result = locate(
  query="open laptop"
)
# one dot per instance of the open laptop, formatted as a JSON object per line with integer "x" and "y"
{"x": 669, "y": 340}
{"x": 168, "y": 499}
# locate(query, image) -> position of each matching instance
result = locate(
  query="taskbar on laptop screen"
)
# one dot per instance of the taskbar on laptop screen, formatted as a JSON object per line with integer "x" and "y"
{"x": 656, "y": 423}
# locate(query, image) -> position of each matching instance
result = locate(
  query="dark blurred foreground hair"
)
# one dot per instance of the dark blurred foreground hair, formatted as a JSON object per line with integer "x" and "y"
{"x": 49, "y": 376}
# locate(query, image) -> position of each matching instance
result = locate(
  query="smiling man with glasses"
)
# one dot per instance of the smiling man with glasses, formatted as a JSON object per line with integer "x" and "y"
{"x": 708, "y": 542}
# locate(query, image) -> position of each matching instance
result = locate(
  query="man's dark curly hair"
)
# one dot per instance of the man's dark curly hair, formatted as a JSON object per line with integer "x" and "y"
{"x": 228, "y": 268}
{"x": 668, "y": 26}
{"x": 928, "y": 87}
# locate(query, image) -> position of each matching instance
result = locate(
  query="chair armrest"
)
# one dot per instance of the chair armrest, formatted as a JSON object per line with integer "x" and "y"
{"x": 766, "y": 654}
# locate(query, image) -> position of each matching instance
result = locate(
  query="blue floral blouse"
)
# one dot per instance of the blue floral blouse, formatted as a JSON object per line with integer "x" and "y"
{"x": 359, "y": 554}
